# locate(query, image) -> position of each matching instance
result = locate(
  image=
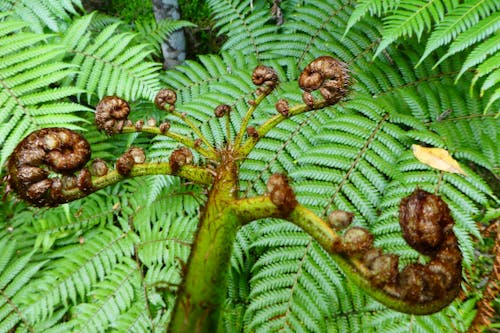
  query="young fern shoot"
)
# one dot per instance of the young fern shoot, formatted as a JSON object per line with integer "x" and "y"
{"x": 425, "y": 218}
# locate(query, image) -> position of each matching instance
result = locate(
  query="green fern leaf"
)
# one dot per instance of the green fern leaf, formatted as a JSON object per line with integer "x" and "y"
{"x": 413, "y": 18}
{"x": 15, "y": 274}
{"x": 110, "y": 64}
{"x": 154, "y": 33}
{"x": 78, "y": 269}
{"x": 40, "y": 14}
{"x": 479, "y": 54}
{"x": 462, "y": 18}
{"x": 376, "y": 7}
{"x": 110, "y": 298}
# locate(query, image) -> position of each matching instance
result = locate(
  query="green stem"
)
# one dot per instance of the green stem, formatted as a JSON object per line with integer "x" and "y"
{"x": 177, "y": 137}
{"x": 263, "y": 129}
{"x": 195, "y": 129}
{"x": 246, "y": 119}
{"x": 196, "y": 174}
{"x": 228, "y": 127}
{"x": 261, "y": 207}
{"x": 202, "y": 294}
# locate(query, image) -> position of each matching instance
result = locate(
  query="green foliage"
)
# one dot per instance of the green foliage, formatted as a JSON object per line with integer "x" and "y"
{"x": 40, "y": 71}
{"x": 459, "y": 24}
{"x": 114, "y": 260}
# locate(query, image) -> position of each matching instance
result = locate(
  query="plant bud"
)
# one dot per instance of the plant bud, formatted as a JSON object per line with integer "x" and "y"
{"x": 151, "y": 122}
{"x": 111, "y": 113}
{"x": 138, "y": 155}
{"x": 164, "y": 127}
{"x": 423, "y": 218}
{"x": 221, "y": 110}
{"x": 164, "y": 97}
{"x": 84, "y": 181}
{"x": 281, "y": 194}
{"x": 124, "y": 164}
{"x": 98, "y": 168}
{"x": 282, "y": 107}
{"x": 339, "y": 219}
{"x": 357, "y": 240}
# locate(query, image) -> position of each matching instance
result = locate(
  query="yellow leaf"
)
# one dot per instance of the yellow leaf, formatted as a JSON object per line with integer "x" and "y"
{"x": 437, "y": 158}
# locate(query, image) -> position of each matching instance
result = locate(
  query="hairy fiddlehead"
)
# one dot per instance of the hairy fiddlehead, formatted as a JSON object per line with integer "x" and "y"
{"x": 44, "y": 151}
{"x": 427, "y": 227}
{"x": 327, "y": 74}
{"x": 111, "y": 114}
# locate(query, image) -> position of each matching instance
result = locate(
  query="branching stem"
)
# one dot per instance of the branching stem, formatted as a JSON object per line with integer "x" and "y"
{"x": 210, "y": 154}
{"x": 195, "y": 129}
{"x": 247, "y": 118}
{"x": 196, "y": 174}
{"x": 263, "y": 129}
{"x": 251, "y": 209}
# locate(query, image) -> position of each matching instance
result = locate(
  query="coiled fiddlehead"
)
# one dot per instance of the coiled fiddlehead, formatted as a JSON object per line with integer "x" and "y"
{"x": 266, "y": 78}
{"x": 111, "y": 114}
{"x": 327, "y": 74}
{"x": 51, "y": 149}
{"x": 427, "y": 227}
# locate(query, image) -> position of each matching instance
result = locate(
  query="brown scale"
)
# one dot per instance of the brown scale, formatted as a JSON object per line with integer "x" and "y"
{"x": 124, "y": 164}
{"x": 166, "y": 96}
{"x": 222, "y": 110}
{"x": 179, "y": 158}
{"x": 282, "y": 107}
{"x": 281, "y": 193}
{"x": 264, "y": 77}
{"x": 51, "y": 149}
{"x": 111, "y": 114}
{"x": 252, "y": 132}
{"x": 328, "y": 75}
{"x": 427, "y": 226}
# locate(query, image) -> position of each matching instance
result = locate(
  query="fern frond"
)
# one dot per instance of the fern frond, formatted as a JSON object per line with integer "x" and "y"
{"x": 29, "y": 68}
{"x": 296, "y": 286}
{"x": 15, "y": 273}
{"x": 460, "y": 19}
{"x": 78, "y": 269}
{"x": 41, "y": 14}
{"x": 154, "y": 33}
{"x": 110, "y": 298}
{"x": 245, "y": 26}
{"x": 412, "y": 18}
{"x": 374, "y": 7}
{"x": 109, "y": 63}
{"x": 480, "y": 53}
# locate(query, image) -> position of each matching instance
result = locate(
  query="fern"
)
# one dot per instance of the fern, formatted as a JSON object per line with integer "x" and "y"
{"x": 28, "y": 67}
{"x": 413, "y": 18}
{"x": 109, "y": 64}
{"x": 462, "y": 18}
{"x": 114, "y": 261}
{"x": 42, "y": 14}
{"x": 15, "y": 273}
{"x": 154, "y": 33}
{"x": 462, "y": 24}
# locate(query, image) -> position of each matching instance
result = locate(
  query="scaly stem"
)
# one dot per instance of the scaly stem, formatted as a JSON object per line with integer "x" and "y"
{"x": 202, "y": 294}
{"x": 261, "y": 207}
{"x": 210, "y": 154}
{"x": 263, "y": 129}
{"x": 196, "y": 174}
{"x": 228, "y": 127}
{"x": 246, "y": 119}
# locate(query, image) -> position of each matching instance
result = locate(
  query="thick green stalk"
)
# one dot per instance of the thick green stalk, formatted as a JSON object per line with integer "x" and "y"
{"x": 196, "y": 174}
{"x": 252, "y": 209}
{"x": 200, "y": 299}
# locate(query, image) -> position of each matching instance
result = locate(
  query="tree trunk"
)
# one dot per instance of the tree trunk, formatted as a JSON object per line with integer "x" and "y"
{"x": 202, "y": 294}
{"x": 174, "y": 48}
